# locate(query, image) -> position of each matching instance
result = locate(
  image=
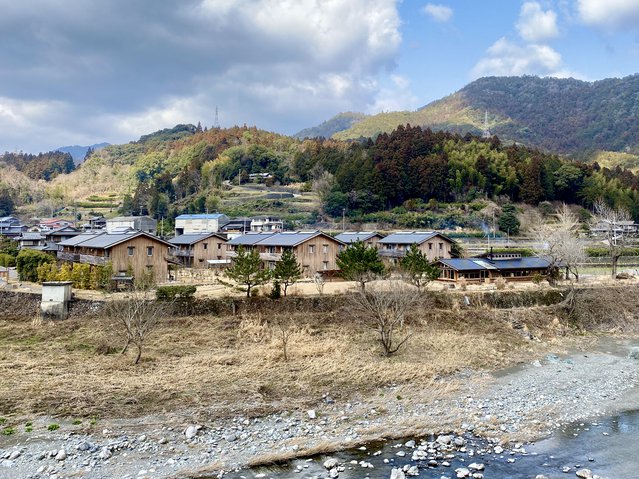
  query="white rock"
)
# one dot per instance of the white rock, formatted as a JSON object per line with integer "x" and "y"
{"x": 105, "y": 453}
{"x": 498, "y": 449}
{"x": 14, "y": 455}
{"x": 397, "y": 474}
{"x": 311, "y": 413}
{"x": 476, "y": 466}
{"x": 462, "y": 472}
{"x": 333, "y": 473}
{"x": 584, "y": 473}
{"x": 413, "y": 471}
{"x": 61, "y": 455}
{"x": 191, "y": 431}
{"x": 7, "y": 463}
{"x": 330, "y": 463}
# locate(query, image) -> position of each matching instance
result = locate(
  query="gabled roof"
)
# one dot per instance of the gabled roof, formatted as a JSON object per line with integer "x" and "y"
{"x": 130, "y": 218}
{"x": 410, "y": 237}
{"x": 291, "y": 238}
{"x": 353, "y": 236}
{"x": 107, "y": 240}
{"x": 31, "y": 236}
{"x": 189, "y": 239}
{"x": 202, "y": 216}
{"x": 249, "y": 239}
{"x": 63, "y": 229}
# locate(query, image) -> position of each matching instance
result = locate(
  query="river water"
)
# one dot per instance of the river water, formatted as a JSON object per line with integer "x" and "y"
{"x": 608, "y": 447}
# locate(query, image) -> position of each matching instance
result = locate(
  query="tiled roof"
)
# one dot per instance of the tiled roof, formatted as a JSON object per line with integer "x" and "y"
{"x": 203, "y": 216}
{"x": 409, "y": 237}
{"x": 193, "y": 238}
{"x": 478, "y": 264}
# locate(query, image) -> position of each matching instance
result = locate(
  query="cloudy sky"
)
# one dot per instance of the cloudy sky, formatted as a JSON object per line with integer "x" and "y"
{"x": 83, "y": 72}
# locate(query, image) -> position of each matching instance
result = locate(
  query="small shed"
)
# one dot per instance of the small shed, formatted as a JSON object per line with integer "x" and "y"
{"x": 56, "y": 296}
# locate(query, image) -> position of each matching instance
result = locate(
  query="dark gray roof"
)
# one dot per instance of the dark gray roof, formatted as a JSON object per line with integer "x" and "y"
{"x": 81, "y": 238}
{"x": 31, "y": 236}
{"x": 249, "y": 239}
{"x": 353, "y": 236}
{"x": 289, "y": 238}
{"x": 410, "y": 237}
{"x": 108, "y": 240}
{"x": 193, "y": 238}
{"x": 531, "y": 262}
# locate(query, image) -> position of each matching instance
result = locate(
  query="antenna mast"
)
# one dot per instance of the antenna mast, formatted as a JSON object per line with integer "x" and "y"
{"x": 486, "y": 133}
{"x": 217, "y": 119}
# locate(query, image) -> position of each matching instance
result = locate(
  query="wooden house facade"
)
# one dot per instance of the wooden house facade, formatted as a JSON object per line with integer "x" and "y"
{"x": 432, "y": 244}
{"x": 135, "y": 253}
{"x": 487, "y": 270}
{"x": 315, "y": 251}
{"x": 199, "y": 251}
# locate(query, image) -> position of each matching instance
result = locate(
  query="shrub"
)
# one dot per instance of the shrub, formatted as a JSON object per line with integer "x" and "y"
{"x": 53, "y": 427}
{"x": 170, "y": 293}
{"x": 7, "y": 260}
{"x": 28, "y": 261}
{"x": 7, "y": 431}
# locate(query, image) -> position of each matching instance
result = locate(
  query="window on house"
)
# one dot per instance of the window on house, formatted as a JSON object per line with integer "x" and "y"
{"x": 130, "y": 250}
{"x": 441, "y": 246}
{"x": 325, "y": 248}
{"x": 149, "y": 250}
{"x": 205, "y": 245}
{"x": 430, "y": 246}
{"x": 219, "y": 246}
{"x": 325, "y": 265}
{"x": 311, "y": 248}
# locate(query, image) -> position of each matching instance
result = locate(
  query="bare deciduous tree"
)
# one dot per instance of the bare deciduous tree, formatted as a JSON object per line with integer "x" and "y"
{"x": 558, "y": 240}
{"x": 136, "y": 316}
{"x": 610, "y": 221}
{"x": 386, "y": 306}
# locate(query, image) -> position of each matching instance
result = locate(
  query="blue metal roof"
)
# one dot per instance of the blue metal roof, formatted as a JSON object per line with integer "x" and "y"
{"x": 202, "y": 216}
{"x": 479, "y": 264}
{"x": 354, "y": 236}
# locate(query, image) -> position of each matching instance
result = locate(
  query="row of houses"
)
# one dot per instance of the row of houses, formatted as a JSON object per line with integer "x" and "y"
{"x": 133, "y": 253}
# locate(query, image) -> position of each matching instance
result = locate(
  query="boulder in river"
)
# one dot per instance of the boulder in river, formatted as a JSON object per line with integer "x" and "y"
{"x": 397, "y": 474}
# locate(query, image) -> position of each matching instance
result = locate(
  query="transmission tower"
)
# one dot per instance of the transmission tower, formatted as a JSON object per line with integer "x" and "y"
{"x": 217, "y": 119}
{"x": 486, "y": 133}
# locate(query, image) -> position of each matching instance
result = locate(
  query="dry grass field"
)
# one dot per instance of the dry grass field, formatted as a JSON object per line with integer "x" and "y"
{"x": 231, "y": 364}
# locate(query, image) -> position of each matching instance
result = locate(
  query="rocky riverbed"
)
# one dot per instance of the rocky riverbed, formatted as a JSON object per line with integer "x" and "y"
{"x": 510, "y": 407}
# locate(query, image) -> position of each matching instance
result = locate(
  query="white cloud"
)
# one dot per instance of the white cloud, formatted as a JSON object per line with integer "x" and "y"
{"x": 609, "y": 14}
{"x": 395, "y": 97}
{"x": 439, "y": 13}
{"x": 507, "y": 58}
{"x": 125, "y": 68}
{"x": 536, "y": 25}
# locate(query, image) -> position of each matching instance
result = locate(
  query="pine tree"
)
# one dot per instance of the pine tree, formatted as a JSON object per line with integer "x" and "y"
{"x": 247, "y": 270}
{"x": 287, "y": 270}
{"x": 360, "y": 263}
{"x": 416, "y": 269}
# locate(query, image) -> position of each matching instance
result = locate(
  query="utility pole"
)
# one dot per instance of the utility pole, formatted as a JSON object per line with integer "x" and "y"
{"x": 343, "y": 220}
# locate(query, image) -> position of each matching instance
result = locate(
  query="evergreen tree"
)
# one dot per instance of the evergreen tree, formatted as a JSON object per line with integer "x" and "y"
{"x": 360, "y": 263}
{"x": 416, "y": 269}
{"x": 508, "y": 221}
{"x": 247, "y": 270}
{"x": 287, "y": 270}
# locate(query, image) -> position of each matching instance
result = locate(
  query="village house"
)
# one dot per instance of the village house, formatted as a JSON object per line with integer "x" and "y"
{"x": 432, "y": 244}
{"x": 31, "y": 240}
{"x": 200, "y": 223}
{"x": 199, "y": 251}
{"x": 11, "y": 227}
{"x": 134, "y": 253}
{"x": 315, "y": 251}
{"x": 95, "y": 223}
{"x": 266, "y": 223}
{"x": 61, "y": 234}
{"x": 510, "y": 267}
{"x": 51, "y": 224}
{"x": 369, "y": 238}
{"x": 140, "y": 223}
{"x": 237, "y": 226}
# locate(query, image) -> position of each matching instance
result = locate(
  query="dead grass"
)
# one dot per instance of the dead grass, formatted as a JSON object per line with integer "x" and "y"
{"x": 228, "y": 365}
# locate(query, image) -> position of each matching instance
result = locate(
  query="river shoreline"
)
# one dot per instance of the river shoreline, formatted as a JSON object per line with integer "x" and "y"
{"x": 521, "y": 404}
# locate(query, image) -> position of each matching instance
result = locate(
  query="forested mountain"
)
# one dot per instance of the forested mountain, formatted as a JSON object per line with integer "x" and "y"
{"x": 43, "y": 166}
{"x": 340, "y": 122}
{"x": 405, "y": 169}
{"x": 80, "y": 152}
{"x": 557, "y": 115}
